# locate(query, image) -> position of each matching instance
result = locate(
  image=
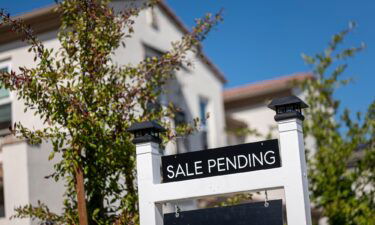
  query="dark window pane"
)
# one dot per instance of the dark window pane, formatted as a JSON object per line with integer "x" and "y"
{"x": 152, "y": 52}
{"x": 4, "y": 93}
{"x": 204, "y": 130}
{"x": 183, "y": 144}
{"x": 180, "y": 118}
{"x": 5, "y": 116}
{"x": 203, "y": 111}
{"x": 204, "y": 139}
{"x": 154, "y": 19}
{"x": 2, "y": 208}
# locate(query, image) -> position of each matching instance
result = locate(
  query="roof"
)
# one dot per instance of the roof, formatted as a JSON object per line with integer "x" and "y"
{"x": 46, "y": 19}
{"x": 264, "y": 87}
{"x": 41, "y": 20}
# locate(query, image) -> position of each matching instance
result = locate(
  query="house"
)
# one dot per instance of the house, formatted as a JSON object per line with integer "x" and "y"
{"x": 248, "y": 118}
{"x": 23, "y": 167}
{"x": 246, "y": 107}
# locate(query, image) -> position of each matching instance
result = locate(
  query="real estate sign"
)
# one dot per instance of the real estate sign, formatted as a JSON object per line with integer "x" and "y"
{"x": 259, "y": 166}
{"x": 221, "y": 161}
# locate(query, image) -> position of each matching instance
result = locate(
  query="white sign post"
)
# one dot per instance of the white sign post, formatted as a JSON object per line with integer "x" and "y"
{"x": 291, "y": 176}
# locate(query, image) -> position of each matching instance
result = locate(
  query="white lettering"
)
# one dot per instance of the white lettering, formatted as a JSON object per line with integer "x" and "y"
{"x": 249, "y": 156}
{"x": 170, "y": 171}
{"x": 187, "y": 170}
{"x": 180, "y": 171}
{"x": 220, "y": 164}
{"x": 211, "y": 163}
{"x": 197, "y": 167}
{"x": 239, "y": 157}
{"x": 232, "y": 163}
{"x": 260, "y": 160}
{"x": 272, "y": 157}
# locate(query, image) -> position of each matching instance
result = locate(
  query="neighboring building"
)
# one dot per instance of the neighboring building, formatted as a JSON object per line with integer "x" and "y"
{"x": 246, "y": 107}
{"x": 246, "y": 112}
{"x": 23, "y": 167}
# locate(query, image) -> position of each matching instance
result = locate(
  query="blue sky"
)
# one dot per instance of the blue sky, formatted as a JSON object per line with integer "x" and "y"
{"x": 264, "y": 39}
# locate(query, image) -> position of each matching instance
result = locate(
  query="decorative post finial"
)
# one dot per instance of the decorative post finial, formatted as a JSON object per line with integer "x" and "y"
{"x": 288, "y": 108}
{"x": 289, "y": 118}
{"x": 146, "y": 132}
{"x": 148, "y": 158}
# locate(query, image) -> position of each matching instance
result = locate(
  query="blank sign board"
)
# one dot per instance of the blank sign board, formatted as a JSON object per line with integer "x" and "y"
{"x": 244, "y": 214}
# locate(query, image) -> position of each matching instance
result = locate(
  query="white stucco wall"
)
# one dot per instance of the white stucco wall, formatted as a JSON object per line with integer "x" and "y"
{"x": 16, "y": 181}
{"x": 25, "y": 168}
{"x": 40, "y": 188}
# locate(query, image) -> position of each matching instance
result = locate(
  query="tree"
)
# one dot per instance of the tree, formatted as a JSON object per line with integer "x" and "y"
{"x": 87, "y": 102}
{"x": 341, "y": 162}
{"x": 342, "y": 166}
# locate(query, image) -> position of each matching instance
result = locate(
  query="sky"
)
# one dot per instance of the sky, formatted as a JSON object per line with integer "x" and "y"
{"x": 264, "y": 39}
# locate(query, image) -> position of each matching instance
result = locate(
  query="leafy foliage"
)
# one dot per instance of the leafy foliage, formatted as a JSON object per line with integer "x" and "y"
{"x": 87, "y": 102}
{"x": 342, "y": 166}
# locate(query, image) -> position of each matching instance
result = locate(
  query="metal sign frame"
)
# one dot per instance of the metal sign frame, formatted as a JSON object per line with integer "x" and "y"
{"x": 291, "y": 176}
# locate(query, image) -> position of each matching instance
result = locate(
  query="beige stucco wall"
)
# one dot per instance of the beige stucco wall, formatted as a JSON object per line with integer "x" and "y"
{"x": 260, "y": 117}
{"x": 255, "y": 116}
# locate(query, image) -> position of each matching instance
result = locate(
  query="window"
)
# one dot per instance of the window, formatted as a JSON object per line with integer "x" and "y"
{"x": 4, "y": 93}
{"x": 5, "y": 118}
{"x": 5, "y": 104}
{"x": 203, "y": 119}
{"x": 152, "y": 52}
{"x": 149, "y": 53}
{"x": 2, "y": 208}
{"x": 182, "y": 142}
{"x": 152, "y": 18}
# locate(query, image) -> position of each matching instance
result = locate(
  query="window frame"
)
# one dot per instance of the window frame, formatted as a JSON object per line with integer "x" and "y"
{"x": 7, "y": 100}
{"x": 152, "y": 19}
{"x": 182, "y": 142}
{"x": 4, "y": 101}
{"x": 3, "y": 213}
{"x": 204, "y": 123}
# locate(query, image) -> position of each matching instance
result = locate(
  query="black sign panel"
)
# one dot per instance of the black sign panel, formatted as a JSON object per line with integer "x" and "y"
{"x": 221, "y": 161}
{"x": 246, "y": 214}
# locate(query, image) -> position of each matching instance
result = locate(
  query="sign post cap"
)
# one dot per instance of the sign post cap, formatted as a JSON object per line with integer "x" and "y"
{"x": 288, "y": 107}
{"x": 146, "y": 132}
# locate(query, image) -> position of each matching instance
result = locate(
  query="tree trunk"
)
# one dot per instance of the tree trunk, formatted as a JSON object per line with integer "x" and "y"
{"x": 82, "y": 209}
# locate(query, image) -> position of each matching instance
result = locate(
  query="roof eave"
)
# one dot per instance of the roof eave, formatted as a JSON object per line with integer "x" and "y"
{"x": 265, "y": 88}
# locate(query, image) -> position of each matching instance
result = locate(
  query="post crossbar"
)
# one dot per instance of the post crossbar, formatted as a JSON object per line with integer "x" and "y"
{"x": 219, "y": 185}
